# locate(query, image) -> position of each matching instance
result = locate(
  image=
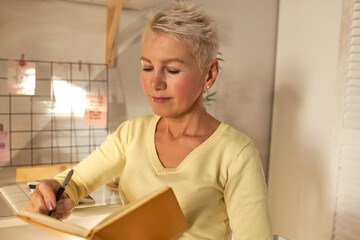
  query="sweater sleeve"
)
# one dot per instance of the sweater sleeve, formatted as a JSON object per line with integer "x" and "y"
{"x": 245, "y": 196}
{"x": 102, "y": 165}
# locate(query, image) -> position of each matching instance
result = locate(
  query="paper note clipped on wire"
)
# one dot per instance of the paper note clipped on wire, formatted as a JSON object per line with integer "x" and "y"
{"x": 21, "y": 77}
{"x": 4, "y": 147}
{"x": 95, "y": 110}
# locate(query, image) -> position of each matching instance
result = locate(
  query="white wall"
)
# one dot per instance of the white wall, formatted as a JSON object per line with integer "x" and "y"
{"x": 52, "y": 30}
{"x": 301, "y": 182}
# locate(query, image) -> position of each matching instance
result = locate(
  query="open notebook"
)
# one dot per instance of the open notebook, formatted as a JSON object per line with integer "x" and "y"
{"x": 155, "y": 216}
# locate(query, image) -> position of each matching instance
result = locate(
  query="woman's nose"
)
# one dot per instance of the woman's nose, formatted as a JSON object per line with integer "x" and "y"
{"x": 158, "y": 82}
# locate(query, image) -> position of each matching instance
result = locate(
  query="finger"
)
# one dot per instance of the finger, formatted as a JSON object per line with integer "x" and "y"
{"x": 36, "y": 203}
{"x": 61, "y": 216}
{"x": 48, "y": 189}
{"x": 65, "y": 205}
{"x": 63, "y": 209}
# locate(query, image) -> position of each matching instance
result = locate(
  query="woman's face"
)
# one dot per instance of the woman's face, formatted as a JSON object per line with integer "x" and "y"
{"x": 170, "y": 76}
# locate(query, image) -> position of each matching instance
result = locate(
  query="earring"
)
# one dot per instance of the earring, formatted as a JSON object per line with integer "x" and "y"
{"x": 207, "y": 86}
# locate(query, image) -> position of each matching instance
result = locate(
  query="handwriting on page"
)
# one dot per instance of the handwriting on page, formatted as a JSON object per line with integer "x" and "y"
{"x": 21, "y": 77}
{"x": 95, "y": 111}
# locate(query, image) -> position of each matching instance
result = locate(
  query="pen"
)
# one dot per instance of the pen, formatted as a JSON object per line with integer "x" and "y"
{"x": 62, "y": 188}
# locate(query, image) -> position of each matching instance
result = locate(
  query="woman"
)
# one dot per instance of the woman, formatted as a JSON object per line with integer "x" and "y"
{"x": 214, "y": 170}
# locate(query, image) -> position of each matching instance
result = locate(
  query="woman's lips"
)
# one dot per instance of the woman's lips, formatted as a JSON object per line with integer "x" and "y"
{"x": 160, "y": 99}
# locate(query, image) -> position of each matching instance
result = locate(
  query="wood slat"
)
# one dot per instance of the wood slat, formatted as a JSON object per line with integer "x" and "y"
{"x": 41, "y": 172}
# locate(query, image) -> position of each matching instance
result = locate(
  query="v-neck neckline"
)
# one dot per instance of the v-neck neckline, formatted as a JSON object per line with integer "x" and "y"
{"x": 154, "y": 158}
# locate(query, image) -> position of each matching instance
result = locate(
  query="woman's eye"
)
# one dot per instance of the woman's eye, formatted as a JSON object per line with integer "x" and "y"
{"x": 173, "y": 71}
{"x": 147, "y": 69}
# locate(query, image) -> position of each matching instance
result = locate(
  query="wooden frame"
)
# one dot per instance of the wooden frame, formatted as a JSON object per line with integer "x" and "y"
{"x": 40, "y": 172}
{"x": 114, "y": 9}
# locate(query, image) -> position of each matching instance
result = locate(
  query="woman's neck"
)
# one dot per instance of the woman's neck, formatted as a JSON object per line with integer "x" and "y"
{"x": 197, "y": 123}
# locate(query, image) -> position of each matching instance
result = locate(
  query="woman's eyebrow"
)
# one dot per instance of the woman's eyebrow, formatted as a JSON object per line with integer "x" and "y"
{"x": 165, "y": 61}
{"x": 172, "y": 60}
{"x": 145, "y": 59}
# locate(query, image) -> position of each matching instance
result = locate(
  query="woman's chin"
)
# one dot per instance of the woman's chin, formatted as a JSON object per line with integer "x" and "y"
{"x": 164, "y": 114}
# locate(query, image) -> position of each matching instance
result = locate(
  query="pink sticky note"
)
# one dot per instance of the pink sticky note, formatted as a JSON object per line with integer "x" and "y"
{"x": 95, "y": 111}
{"x": 21, "y": 78}
{"x": 4, "y": 147}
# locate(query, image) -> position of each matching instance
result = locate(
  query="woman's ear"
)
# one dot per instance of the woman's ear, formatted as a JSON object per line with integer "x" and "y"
{"x": 211, "y": 74}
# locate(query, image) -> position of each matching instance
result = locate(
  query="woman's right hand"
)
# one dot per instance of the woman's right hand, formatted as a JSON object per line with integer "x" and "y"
{"x": 43, "y": 200}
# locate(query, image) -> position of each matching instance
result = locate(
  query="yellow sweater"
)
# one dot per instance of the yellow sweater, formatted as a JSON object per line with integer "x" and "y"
{"x": 219, "y": 185}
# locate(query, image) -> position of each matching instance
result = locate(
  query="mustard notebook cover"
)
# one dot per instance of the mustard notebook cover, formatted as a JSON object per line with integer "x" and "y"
{"x": 156, "y": 216}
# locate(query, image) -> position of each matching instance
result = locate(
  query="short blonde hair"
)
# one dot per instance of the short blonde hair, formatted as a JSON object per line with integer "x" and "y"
{"x": 189, "y": 24}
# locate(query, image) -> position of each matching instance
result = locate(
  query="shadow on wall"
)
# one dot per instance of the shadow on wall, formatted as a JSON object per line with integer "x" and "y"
{"x": 296, "y": 181}
{"x": 129, "y": 100}
{"x": 117, "y": 104}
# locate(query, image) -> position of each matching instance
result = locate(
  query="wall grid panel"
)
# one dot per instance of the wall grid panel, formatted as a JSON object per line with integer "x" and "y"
{"x": 47, "y": 127}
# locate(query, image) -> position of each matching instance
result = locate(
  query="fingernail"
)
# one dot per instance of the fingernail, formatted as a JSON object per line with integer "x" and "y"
{"x": 60, "y": 206}
{"x": 50, "y": 206}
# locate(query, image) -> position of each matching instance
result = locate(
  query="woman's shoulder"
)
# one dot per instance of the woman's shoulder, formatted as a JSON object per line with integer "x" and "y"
{"x": 232, "y": 141}
{"x": 135, "y": 127}
{"x": 144, "y": 120}
{"x": 230, "y": 135}
{"x": 238, "y": 147}
{"x": 138, "y": 123}
{"x": 140, "y": 120}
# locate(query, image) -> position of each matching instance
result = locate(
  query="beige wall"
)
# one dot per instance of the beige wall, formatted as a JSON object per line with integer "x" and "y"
{"x": 301, "y": 180}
